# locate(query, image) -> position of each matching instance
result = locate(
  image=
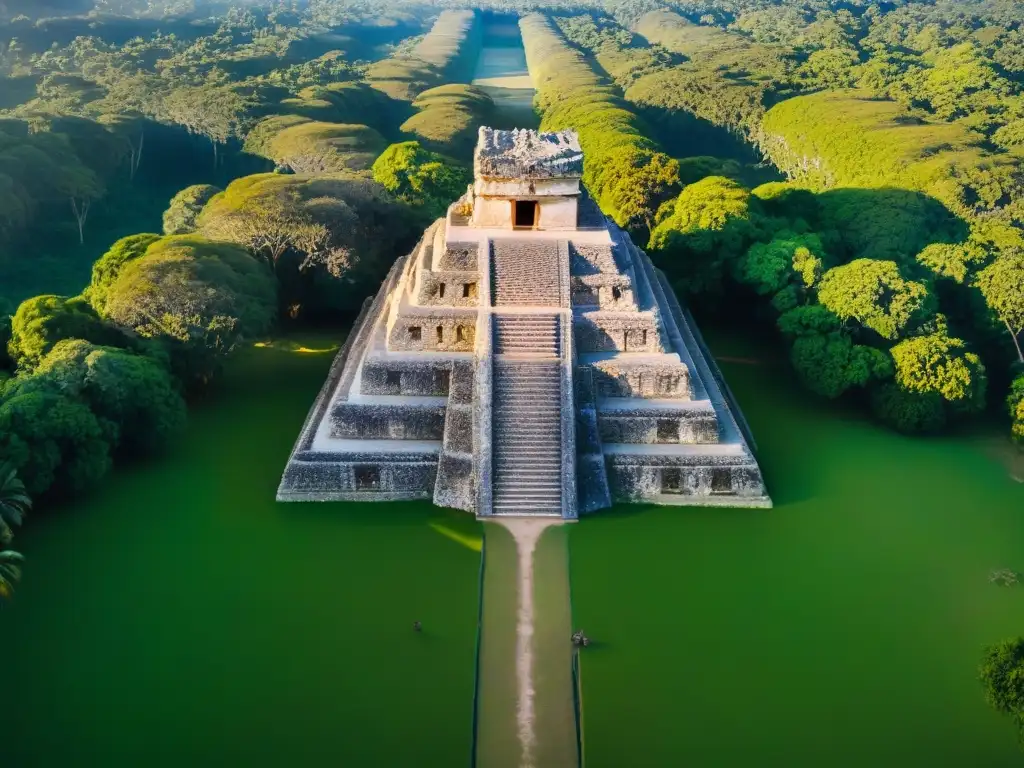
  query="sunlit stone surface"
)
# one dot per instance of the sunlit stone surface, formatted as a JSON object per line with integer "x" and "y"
{"x": 525, "y": 359}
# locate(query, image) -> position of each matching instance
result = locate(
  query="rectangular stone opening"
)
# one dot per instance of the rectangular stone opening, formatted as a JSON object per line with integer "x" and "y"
{"x": 666, "y": 385}
{"x": 393, "y": 379}
{"x": 440, "y": 334}
{"x": 721, "y": 481}
{"x": 524, "y": 214}
{"x": 616, "y": 292}
{"x": 367, "y": 478}
{"x": 469, "y": 291}
{"x": 463, "y": 333}
{"x": 440, "y": 291}
{"x": 415, "y": 333}
{"x": 671, "y": 480}
{"x": 442, "y": 381}
{"x": 668, "y": 431}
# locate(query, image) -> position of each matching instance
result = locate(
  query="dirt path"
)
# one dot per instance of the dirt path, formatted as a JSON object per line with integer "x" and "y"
{"x": 526, "y": 532}
{"x": 526, "y": 717}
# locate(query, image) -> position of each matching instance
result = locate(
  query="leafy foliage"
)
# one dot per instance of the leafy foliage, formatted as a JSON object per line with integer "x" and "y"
{"x": 938, "y": 364}
{"x": 199, "y": 297}
{"x": 421, "y": 178}
{"x": 1002, "y": 674}
{"x": 43, "y": 321}
{"x": 185, "y": 206}
{"x": 874, "y": 294}
{"x": 134, "y": 398}
{"x": 696, "y": 234}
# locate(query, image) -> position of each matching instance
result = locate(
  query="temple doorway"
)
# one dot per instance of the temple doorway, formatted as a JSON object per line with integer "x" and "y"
{"x": 524, "y": 214}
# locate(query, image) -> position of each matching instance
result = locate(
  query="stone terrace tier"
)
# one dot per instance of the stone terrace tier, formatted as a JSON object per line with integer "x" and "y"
{"x": 525, "y": 359}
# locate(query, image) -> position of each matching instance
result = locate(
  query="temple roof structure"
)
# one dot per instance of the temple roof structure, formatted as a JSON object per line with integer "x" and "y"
{"x": 525, "y": 155}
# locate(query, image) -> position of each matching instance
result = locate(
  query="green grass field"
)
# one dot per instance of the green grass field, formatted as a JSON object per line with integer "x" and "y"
{"x": 841, "y": 628}
{"x": 182, "y": 617}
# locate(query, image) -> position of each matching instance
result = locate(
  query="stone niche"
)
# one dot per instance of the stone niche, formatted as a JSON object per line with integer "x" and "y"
{"x": 387, "y": 422}
{"x": 387, "y": 476}
{"x": 443, "y": 332}
{"x": 639, "y": 482}
{"x": 653, "y": 381}
{"x": 636, "y": 332}
{"x": 670, "y": 427}
{"x": 608, "y": 291}
{"x": 449, "y": 288}
{"x": 406, "y": 377}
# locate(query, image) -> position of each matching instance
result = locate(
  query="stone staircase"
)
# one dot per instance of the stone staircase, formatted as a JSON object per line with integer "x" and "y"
{"x": 530, "y": 334}
{"x": 525, "y": 273}
{"x": 527, "y": 438}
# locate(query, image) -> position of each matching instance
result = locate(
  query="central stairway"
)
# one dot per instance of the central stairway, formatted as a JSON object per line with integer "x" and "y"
{"x": 529, "y": 334}
{"x": 524, "y": 273}
{"x": 526, "y": 425}
{"x": 527, "y": 438}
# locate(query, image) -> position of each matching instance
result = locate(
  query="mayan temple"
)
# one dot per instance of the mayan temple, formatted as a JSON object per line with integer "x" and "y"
{"x": 525, "y": 359}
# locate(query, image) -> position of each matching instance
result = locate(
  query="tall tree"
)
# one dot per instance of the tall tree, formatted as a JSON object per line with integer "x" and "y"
{"x": 1002, "y": 285}
{"x": 215, "y": 112}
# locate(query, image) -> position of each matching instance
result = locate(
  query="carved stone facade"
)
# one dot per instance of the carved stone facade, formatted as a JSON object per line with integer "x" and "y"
{"x": 525, "y": 359}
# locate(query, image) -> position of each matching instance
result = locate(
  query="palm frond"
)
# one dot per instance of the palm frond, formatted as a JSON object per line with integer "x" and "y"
{"x": 10, "y": 571}
{"x": 14, "y": 499}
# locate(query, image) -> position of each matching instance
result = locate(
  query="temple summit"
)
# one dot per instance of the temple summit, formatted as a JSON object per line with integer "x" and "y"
{"x": 525, "y": 359}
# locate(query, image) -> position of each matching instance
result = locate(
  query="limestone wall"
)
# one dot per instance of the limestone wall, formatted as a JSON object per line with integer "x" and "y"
{"x": 614, "y": 378}
{"x": 610, "y": 292}
{"x": 591, "y": 476}
{"x": 406, "y": 377}
{"x": 441, "y": 332}
{"x": 641, "y": 478}
{"x": 599, "y": 332}
{"x": 526, "y": 188}
{"x": 456, "y": 478}
{"x": 379, "y": 477}
{"x": 668, "y": 427}
{"x": 386, "y": 422}
{"x": 555, "y": 213}
{"x": 448, "y": 288}
{"x": 460, "y": 257}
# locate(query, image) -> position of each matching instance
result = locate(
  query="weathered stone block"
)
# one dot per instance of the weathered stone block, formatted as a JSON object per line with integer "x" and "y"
{"x": 458, "y": 431}
{"x": 461, "y": 257}
{"x": 387, "y": 422}
{"x": 441, "y": 332}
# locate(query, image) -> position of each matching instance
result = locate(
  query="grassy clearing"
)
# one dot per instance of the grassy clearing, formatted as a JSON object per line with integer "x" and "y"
{"x": 182, "y": 617}
{"x": 842, "y": 628}
{"x": 497, "y": 739}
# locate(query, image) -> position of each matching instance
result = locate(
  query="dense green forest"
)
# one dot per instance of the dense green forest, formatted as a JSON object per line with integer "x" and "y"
{"x": 177, "y": 177}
